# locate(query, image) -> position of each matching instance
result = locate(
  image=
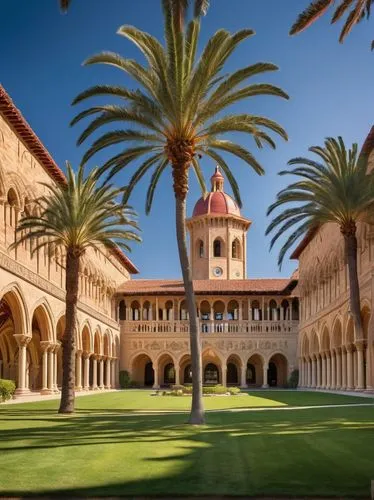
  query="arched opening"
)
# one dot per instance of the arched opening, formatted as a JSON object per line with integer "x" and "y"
{"x": 205, "y": 310}
{"x": 365, "y": 315}
{"x": 40, "y": 332}
{"x": 233, "y": 310}
{"x": 12, "y": 200}
{"x": 295, "y": 309}
{"x": 273, "y": 311}
{"x": 122, "y": 310}
{"x": 337, "y": 335}
{"x": 147, "y": 311}
{"x": 183, "y": 313}
{"x": 187, "y": 374}
{"x": 60, "y": 330}
{"x": 211, "y": 374}
{"x": 218, "y": 248}
{"x": 166, "y": 369}
{"x": 135, "y": 310}
{"x": 285, "y": 310}
{"x": 185, "y": 369}
{"x": 278, "y": 370}
{"x": 142, "y": 370}
{"x": 200, "y": 248}
{"x": 233, "y": 370}
{"x": 236, "y": 249}
{"x": 218, "y": 310}
{"x": 256, "y": 311}
{"x": 169, "y": 308}
{"x": 169, "y": 374}
{"x": 254, "y": 372}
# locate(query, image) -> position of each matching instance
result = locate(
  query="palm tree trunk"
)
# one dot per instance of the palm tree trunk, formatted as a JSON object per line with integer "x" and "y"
{"x": 350, "y": 241}
{"x": 68, "y": 341}
{"x": 181, "y": 189}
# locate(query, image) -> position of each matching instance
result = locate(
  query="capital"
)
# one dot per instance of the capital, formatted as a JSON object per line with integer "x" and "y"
{"x": 45, "y": 345}
{"x": 360, "y": 345}
{"x": 22, "y": 340}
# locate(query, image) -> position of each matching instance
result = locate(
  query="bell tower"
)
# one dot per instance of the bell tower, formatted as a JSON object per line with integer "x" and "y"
{"x": 218, "y": 235}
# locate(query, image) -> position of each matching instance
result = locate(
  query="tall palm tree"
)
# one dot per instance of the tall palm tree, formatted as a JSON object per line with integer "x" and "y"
{"x": 336, "y": 189}
{"x": 76, "y": 217}
{"x": 356, "y": 11}
{"x": 176, "y": 117}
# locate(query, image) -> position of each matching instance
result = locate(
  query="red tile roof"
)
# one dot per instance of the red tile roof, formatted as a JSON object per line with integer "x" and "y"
{"x": 25, "y": 133}
{"x": 212, "y": 287}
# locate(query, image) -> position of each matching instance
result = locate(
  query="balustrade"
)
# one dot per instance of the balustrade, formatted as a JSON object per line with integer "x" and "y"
{"x": 213, "y": 327}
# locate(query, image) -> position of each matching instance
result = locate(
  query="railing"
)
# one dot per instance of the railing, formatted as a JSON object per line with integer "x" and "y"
{"x": 213, "y": 327}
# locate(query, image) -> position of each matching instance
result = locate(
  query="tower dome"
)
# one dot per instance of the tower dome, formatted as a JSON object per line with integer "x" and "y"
{"x": 217, "y": 201}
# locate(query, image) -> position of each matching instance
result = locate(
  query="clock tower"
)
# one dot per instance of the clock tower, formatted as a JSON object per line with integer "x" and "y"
{"x": 218, "y": 235}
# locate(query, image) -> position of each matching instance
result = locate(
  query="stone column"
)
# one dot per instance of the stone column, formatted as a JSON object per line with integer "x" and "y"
{"x": 22, "y": 341}
{"x": 265, "y": 376}
{"x": 368, "y": 376}
{"x": 333, "y": 370}
{"x": 156, "y": 384}
{"x": 309, "y": 373}
{"x": 313, "y": 372}
{"x": 44, "y": 345}
{"x": 113, "y": 373}
{"x": 319, "y": 370}
{"x": 107, "y": 374}
{"x": 323, "y": 383}
{"x": 349, "y": 368}
{"x": 57, "y": 347}
{"x": 243, "y": 376}
{"x": 338, "y": 368}
{"x": 78, "y": 371}
{"x": 344, "y": 369}
{"x": 360, "y": 366}
{"x": 94, "y": 373}
{"x": 101, "y": 372}
{"x": 224, "y": 376}
{"x": 177, "y": 375}
{"x": 328, "y": 371}
{"x": 86, "y": 371}
{"x": 51, "y": 369}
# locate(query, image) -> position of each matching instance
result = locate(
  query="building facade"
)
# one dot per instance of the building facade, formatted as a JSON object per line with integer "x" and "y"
{"x": 249, "y": 328}
{"x": 330, "y": 354}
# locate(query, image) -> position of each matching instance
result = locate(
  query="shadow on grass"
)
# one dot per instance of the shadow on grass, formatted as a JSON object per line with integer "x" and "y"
{"x": 319, "y": 452}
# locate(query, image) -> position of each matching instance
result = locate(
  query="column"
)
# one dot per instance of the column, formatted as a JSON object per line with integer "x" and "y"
{"x": 349, "y": 368}
{"x": 224, "y": 375}
{"x": 344, "y": 369}
{"x": 313, "y": 362}
{"x": 156, "y": 384}
{"x": 368, "y": 376}
{"x": 338, "y": 368}
{"x": 333, "y": 371}
{"x": 360, "y": 366}
{"x": 309, "y": 373}
{"x": 107, "y": 373}
{"x": 57, "y": 347}
{"x": 22, "y": 341}
{"x": 113, "y": 373}
{"x": 94, "y": 373}
{"x": 177, "y": 375}
{"x": 328, "y": 371}
{"x": 86, "y": 371}
{"x": 265, "y": 376}
{"x": 51, "y": 369}
{"x": 44, "y": 347}
{"x": 78, "y": 371}
{"x": 319, "y": 370}
{"x": 323, "y": 382}
{"x": 243, "y": 377}
{"x": 101, "y": 373}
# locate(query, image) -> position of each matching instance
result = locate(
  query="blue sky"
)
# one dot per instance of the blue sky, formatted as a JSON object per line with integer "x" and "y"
{"x": 331, "y": 89}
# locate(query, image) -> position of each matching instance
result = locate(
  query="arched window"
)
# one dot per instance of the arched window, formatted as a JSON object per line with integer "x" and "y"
{"x": 12, "y": 203}
{"x": 200, "y": 247}
{"x": 235, "y": 249}
{"x": 256, "y": 311}
{"x": 135, "y": 311}
{"x": 217, "y": 248}
{"x": 122, "y": 310}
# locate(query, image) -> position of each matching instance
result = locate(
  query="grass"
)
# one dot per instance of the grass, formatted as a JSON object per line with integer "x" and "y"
{"x": 109, "y": 449}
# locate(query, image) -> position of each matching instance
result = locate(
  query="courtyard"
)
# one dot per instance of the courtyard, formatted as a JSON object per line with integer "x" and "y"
{"x": 132, "y": 443}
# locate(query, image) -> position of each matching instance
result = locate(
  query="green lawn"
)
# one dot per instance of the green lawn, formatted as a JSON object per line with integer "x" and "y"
{"x": 109, "y": 448}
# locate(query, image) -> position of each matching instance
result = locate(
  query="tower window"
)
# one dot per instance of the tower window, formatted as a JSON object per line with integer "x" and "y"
{"x": 217, "y": 248}
{"x": 235, "y": 249}
{"x": 201, "y": 248}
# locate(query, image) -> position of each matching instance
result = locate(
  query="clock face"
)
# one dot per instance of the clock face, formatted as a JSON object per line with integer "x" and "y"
{"x": 217, "y": 271}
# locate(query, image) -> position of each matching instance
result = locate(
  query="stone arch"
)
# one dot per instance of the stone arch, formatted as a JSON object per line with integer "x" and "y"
{"x": 166, "y": 365}
{"x": 43, "y": 309}
{"x": 254, "y": 370}
{"x": 337, "y": 333}
{"x": 278, "y": 370}
{"x": 314, "y": 343}
{"x": 97, "y": 345}
{"x": 325, "y": 339}
{"x": 212, "y": 366}
{"x": 142, "y": 370}
{"x": 233, "y": 366}
{"x": 236, "y": 249}
{"x": 87, "y": 340}
{"x": 107, "y": 344}
{"x": 305, "y": 349}
{"x": 184, "y": 367}
{"x": 365, "y": 316}
{"x": 15, "y": 299}
{"x": 219, "y": 249}
{"x": 349, "y": 332}
{"x": 233, "y": 309}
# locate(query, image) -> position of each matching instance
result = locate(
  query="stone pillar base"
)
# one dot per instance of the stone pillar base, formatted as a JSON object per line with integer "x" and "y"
{"x": 46, "y": 392}
{"x": 78, "y": 389}
{"x": 156, "y": 386}
{"x": 22, "y": 392}
{"x": 95, "y": 388}
{"x": 245, "y": 386}
{"x": 265, "y": 386}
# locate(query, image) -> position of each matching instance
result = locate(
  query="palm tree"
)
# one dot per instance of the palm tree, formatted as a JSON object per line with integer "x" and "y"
{"x": 356, "y": 11}
{"x": 78, "y": 216}
{"x": 336, "y": 190}
{"x": 176, "y": 117}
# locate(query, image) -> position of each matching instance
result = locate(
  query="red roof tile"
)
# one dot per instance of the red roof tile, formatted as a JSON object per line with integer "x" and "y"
{"x": 212, "y": 287}
{"x": 25, "y": 133}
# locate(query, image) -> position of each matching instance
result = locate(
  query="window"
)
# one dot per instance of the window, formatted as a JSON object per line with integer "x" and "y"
{"x": 235, "y": 249}
{"x": 217, "y": 250}
{"x": 201, "y": 249}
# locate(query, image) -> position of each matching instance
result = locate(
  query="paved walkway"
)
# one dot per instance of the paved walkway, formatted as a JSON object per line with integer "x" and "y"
{"x": 33, "y": 397}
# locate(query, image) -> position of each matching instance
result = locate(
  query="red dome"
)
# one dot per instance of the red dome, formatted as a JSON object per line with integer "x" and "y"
{"x": 217, "y": 201}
